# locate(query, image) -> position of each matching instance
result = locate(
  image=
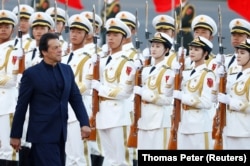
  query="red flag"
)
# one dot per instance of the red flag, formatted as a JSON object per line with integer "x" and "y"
{"x": 165, "y": 5}
{"x": 73, "y": 3}
{"x": 241, "y": 7}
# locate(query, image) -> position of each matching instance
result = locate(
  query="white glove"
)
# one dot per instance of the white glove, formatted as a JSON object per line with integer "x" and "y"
{"x": 146, "y": 53}
{"x": 223, "y": 98}
{"x": 180, "y": 51}
{"x": 176, "y": 66}
{"x": 220, "y": 59}
{"x": 95, "y": 85}
{"x": 138, "y": 63}
{"x": 94, "y": 58}
{"x": 177, "y": 94}
{"x": 18, "y": 52}
{"x": 221, "y": 70}
{"x": 137, "y": 90}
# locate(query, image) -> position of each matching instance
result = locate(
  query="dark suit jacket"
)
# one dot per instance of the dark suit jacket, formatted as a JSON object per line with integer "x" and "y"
{"x": 48, "y": 111}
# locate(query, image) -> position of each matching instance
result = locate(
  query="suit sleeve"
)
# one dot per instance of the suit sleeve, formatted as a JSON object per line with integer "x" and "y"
{"x": 25, "y": 93}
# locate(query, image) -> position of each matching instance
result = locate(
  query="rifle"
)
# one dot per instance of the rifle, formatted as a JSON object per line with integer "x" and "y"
{"x": 220, "y": 117}
{"x": 21, "y": 62}
{"x": 132, "y": 139}
{"x": 96, "y": 76}
{"x": 176, "y": 116}
{"x": 148, "y": 60}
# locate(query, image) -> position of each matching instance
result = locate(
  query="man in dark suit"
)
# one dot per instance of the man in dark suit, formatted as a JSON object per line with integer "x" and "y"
{"x": 47, "y": 88}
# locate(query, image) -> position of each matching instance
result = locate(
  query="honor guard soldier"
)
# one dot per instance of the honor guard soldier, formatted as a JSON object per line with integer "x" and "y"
{"x": 92, "y": 48}
{"x": 185, "y": 15}
{"x": 40, "y": 23}
{"x": 77, "y": 150}
{"x": 205, "y": 26}
{"x": 240, "y": 31}
{"x": 195, "y": 128}
{"x": 113, "y": 118}
{"x": 109, "y": 10}
{"x": 8, "y": 78}
{"x": 89, "y": 45}
{"x": 156, "y": 96}
{"x": 166, "y": 24}
{"x": 132, "y": 53}
{"x": 25, "y": 13}
{"x": 60, "y": 16}
{"x": 237, "y": 129}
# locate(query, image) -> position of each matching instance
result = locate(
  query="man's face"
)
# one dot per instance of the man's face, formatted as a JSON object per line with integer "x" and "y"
{"x": 237, "y": 38}
{"x": 38, "y": 31}
{"x": 59, "y": 26}
{"x": 54, "y": 52}
{"x": 24, "y": 25}
{"x": 114, "y": 39}
{"x": 6, "y": 31}
{"x": 77, "y": 36}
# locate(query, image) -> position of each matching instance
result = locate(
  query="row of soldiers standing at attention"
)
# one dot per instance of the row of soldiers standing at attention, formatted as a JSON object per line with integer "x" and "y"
{"x": 119, "y": 62}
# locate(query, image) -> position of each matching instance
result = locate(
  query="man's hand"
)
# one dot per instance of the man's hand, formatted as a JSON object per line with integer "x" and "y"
{"x": 15, "y": 143}
{"x": 85, "y": 132}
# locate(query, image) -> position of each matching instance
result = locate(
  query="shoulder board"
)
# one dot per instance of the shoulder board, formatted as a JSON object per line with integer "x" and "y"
{"x": 11, "y": 46}
{"x": 188, "y": 69}
{"x": 233, "y": 73}
{"x": 125, "y": 57}
{"x": 208, "y": 70}
{"x": 85, "y": 53}
{"x": 228, "y": 55}
{"x": 166, "y": 67}
{"x": 133, "y": 49}
{"x": 30, "y": 39}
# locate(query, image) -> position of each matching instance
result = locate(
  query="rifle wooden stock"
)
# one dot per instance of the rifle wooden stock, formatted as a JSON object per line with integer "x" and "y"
{"x": 218, "y": 144}
{"x": 95, "y": 103}
{"x": 21, "y": 64}
{"x": 176, "y": 116}
{"x": 132, "y": 139}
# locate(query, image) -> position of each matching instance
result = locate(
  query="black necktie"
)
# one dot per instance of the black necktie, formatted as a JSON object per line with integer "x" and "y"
{"x": 108, "y": 60}
{"x": 33, "y": 54}
{"x": 238, "y": 75}
{"x": 16, "y": 41}
{"x": 70, "y": 57}
{"x": 192, "y": 72}
{"x": 152, "y": 69}
{"x": 231, "y": 61}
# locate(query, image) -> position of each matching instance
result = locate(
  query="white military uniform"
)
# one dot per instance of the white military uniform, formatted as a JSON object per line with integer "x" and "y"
{"x": 196, "y": 125}
{"x": 77, "y": 150}
{"x": 238, "y": 114}
{"x": 8, "y": 77}
{"x": 156, "y": 109}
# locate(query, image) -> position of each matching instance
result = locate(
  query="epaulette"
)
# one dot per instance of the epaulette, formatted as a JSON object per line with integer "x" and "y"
{"x": 187, "y": 69}
{"x": 166, "y": 67}
{"x": 85, "y": 53}
{"x": 125, "y": 57}
{"x": 229, "y": 55}
{"x": 207, "y": 70}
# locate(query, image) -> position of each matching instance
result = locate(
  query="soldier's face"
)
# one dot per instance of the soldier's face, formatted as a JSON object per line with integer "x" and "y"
{"x": 6, "y": 31}
{"x": 77, "y": 36}
{"x": 243, "y": 57}
{"x": 196, "y": 53}
{"x": 202, "y": 32}
{"x": 38, "y": 31}
{"x": 237, "y": 38}
{"x": 24, "y": 25}
{"x": 114, "y": 40}
{"x": 169, "y": 32}
{"x": 157, "y": 50}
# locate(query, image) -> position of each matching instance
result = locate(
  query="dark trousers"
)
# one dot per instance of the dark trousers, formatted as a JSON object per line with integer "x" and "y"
{"x": 48, "y": 154}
